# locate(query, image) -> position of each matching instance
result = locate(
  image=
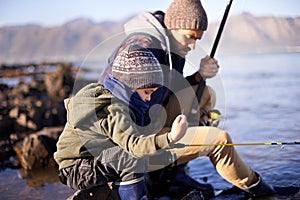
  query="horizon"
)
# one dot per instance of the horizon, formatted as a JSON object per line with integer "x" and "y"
{"x": 125, "y": 18}
{"x": 55, "y": 13}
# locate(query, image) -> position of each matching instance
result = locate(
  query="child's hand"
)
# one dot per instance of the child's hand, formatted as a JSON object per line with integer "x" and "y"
{"x": 179, "y": 127}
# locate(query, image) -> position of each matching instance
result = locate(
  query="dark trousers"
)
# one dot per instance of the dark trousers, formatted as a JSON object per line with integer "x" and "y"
{"x": 112, "y": 165}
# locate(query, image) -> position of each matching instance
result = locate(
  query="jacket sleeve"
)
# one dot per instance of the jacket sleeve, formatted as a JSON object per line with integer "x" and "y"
{"x": 121, "y": 129}
{"x": 195, "y": 78}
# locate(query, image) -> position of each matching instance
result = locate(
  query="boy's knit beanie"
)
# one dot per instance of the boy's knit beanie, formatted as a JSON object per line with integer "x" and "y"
{"x": 137, "y": 67}
{"x": 187, "y": 15}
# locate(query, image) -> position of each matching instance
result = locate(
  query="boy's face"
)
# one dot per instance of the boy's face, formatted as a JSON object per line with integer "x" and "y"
{"x": 145, "y": 94}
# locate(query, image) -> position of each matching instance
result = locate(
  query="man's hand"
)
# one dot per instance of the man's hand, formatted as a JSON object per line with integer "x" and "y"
{"x": 178, "y": 129}
{"x": 208, "y": 67}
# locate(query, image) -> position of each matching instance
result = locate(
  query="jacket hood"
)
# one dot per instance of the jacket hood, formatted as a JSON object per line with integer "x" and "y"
{"x": 146, "y": 22}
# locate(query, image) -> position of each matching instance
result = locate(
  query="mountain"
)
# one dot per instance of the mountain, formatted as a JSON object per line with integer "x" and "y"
{"x": 246, "y": 33}
{"x": 82, "y": 38}
{"x": 71, "y": 41}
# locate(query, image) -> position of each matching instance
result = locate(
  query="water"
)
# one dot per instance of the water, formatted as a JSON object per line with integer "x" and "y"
{"x": 259, "y": 96}
{"x": 38, "y": 184}
{"x": 262, "y": 104}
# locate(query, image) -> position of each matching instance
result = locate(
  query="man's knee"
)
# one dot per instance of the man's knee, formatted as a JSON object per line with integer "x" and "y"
{"x": 208, "y": 100}
{"x": 213, "y": 96}
{"x": 225, "y": 138}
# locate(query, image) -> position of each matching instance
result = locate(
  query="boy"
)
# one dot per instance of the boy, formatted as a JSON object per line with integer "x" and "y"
{"x": 101, "y": 141}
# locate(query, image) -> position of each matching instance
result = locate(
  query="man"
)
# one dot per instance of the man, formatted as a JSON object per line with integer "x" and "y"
{"x": 170, "y": 36}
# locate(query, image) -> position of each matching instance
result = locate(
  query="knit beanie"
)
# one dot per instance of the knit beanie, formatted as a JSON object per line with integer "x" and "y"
{"x": 137, "y": 68}
{"x": 187, "y": 15}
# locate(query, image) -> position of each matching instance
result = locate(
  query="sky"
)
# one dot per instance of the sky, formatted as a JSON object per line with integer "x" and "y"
{"x": 57, "y": 12}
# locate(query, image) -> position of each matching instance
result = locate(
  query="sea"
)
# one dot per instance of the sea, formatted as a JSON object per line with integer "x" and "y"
{"x": 259, "y": 98}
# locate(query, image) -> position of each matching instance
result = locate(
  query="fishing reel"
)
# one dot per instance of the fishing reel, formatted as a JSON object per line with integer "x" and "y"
{"x": 210, "y": 118}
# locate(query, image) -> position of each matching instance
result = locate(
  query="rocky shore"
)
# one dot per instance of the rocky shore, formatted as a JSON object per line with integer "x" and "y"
{"x": 32, "y": 114}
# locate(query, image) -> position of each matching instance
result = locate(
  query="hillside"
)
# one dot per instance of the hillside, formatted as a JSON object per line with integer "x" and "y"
{"x": 76, "y": 39}
{"x": 246, "y": 33}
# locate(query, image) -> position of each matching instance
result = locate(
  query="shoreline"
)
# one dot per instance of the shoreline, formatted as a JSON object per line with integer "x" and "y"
{"x": 31, "y": 107}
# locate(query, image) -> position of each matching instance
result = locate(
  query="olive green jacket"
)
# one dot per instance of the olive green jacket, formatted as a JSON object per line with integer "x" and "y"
{"x": 96, "y": 120}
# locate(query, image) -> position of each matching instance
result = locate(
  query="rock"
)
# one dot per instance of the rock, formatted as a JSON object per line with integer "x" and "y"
{"x": 38, "y": 103}
{"x": 6, "y": 127}
{"x": 28, "y": 107}
{"x": 59, "y": 84}
{"x": 96, "y": 193}
{"x": 36, "y": 150}
{"x": 39, "y": 177}
{"x": 5, "y": 150}
{"x": 106, "y": 192}
{"x": 194, "y": 195}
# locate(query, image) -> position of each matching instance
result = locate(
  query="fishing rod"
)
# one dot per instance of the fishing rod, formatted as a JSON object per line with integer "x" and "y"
{"x": 216, "y": 42}
{"x": 248, "y": 144}
{"x": 202, "y": 84}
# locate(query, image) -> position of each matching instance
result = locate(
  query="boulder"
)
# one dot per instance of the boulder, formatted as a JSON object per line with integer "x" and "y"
{"x": 96, "y": 193}
{"x": 36, "y": 150}
{"x": 59, "y": 84}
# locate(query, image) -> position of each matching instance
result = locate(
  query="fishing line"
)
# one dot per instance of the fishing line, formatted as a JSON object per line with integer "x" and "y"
{"x": 248, "y": 144}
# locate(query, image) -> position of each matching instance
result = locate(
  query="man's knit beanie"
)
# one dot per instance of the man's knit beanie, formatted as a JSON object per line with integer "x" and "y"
{"x": 137, "y": 67}
{"x": 187, "y": 15}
